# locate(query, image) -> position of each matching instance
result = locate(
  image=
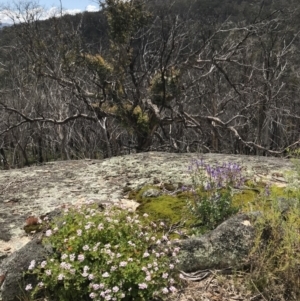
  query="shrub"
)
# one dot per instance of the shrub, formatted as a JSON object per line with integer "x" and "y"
{"x": 275, "y": 258}
{"x": 212, "y": 191}
{"x": 109, "y": 255}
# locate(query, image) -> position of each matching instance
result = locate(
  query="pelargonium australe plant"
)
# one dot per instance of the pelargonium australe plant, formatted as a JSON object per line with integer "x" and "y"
{"x": 212, "y": 191}
{"x": 108, "y": 255}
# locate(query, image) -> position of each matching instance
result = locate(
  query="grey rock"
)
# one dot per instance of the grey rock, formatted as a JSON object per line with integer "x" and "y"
{"x": 226, "y": 246}
{"x": 14, "y": 267}
{"x": 151, "y": 193}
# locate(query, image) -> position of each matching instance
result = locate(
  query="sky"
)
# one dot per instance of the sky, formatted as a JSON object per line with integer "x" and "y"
{"x": 50, "y": 6}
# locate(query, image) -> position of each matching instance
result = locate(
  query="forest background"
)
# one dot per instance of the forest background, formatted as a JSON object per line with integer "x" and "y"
{"x": 178, "y": 76}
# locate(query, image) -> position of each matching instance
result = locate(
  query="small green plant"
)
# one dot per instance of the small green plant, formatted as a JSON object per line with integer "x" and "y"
{"x": 108, "y": 255}
{"x": 212, "y": 201}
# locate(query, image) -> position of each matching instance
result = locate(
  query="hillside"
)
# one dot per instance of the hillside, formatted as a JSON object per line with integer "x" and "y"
{"x": 208, "y": 76}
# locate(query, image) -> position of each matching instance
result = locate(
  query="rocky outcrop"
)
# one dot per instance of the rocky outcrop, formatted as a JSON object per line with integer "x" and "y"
{"x": 227, "y": 246}
{"x": 38, "y": 190}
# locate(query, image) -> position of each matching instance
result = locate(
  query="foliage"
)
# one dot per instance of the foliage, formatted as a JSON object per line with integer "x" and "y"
{"x": 106, "y": 255}
{"x": 212, "y": 200}
{"x": 275, "y": 258}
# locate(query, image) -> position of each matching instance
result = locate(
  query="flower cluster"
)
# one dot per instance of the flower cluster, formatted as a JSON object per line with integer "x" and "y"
{"x": 108, "y": 255}
{"x": 212, "y": 185}
{"x": 227, "y": 174}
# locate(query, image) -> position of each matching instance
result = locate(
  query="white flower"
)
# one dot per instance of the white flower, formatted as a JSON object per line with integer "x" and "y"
{"x": 85, "y": 247}
{"x": 165, "y": 290}
{"x": 143, "y": 286}
{"x": 105, "y": 275}
{"x": 79, "y": 232}
{"x": 60, "y": 277}
{"x": 49, "y": 232}
{"x": 92, "y": 295}
{"x": 123, "y": 264}
{"x": 115, "y": 289}
{"x": 80, "y": 257}
{"x": 28, "y": 287}
{"x": 146, "y": 254}
{"x": 48, "y": 272}
{"x": 165, "y": 275}
{"x": 40, "y": 284}
{"x": 32, "y": 265}
{"x": 172, "y": 289}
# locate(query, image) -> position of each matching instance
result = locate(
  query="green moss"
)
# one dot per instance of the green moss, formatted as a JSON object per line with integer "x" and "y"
{"x": 167, "y": 208}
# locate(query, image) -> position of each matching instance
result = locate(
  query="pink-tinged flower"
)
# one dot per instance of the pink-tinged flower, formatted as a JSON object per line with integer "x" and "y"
{"x": 91, "y": 277}
{"x": 43, "y": 264}
{"x": 79, "y": 232}
{"x": 60, "y": 276}
{"x": 105, "y": 275}
{"x": 32, "y": 265}
{"x": 158, "y": 242}
{"x": 72, "y": 257}
{"x": 95, "y": 286}
{"x": 171, "y": 266}
{"x": 172, "y": 289}
{"x": 157, "y": 255}
{"x": 107, "y": 297}
{"x": 146, "y": 254}
{"x": 172, "y": 280}
{"x": 115, "y": 289}
{"x": 165, "y": 275}
{"x": 49, "y": 232}
{"x": 148, "y": 278}
{"x": 80, "y": 257}
{"x": 28, "y": 287}
{"x": 101, "y": 285}
{"x": 48, "y": 272}
{"x": 143, "y": 286}
{"x": 93, "y": 295}
{"x": 40, "y": 284}
{"x": 165, "y": 290}
{"x": 85, "y": 248}
{"x": 123, "y": 264}
{"x": 177, "y": 249}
